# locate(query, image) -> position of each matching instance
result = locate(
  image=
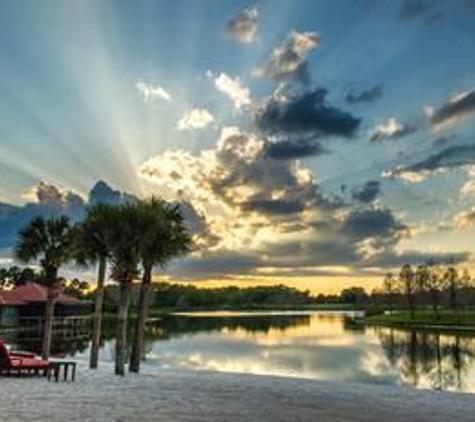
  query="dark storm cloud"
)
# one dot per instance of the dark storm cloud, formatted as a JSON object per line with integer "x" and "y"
{"x": 291, "y": 150}
{"x": 368, "y": 192}
{"x": 243, "y": 27}
{"x": 103, "y": 193}
{"x": 415, "y": 257}
{"x": 306, "y": 114}
{"x": 50, "y": 201}
{"x": 420, "y": 9}
{"x": 361, "y": 224}
{"x": 460, "y": 106}
{"x": 274, "y": 207}
{"x": 451, "y": 157}
{"x": 366, "y": 96}
{"x": 215, "y": 264}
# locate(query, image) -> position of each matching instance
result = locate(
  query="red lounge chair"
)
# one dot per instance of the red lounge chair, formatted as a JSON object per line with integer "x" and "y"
{"x": 20, "y": 363}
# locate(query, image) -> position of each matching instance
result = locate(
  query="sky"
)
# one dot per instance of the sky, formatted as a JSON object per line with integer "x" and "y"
{"x": 313, "y": 143}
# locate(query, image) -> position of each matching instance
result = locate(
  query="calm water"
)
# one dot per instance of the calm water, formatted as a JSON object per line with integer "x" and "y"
{"x": 318, "y": 345}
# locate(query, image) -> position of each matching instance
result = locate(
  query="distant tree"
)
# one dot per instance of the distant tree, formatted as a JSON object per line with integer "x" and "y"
{"x": 16, "y": 276}
{"x": 407, "y": 282}
{"x": 76, "y": 288}
{"x": 390, "y": 288}
{"x": 354, "y": 295}
{"x": 50, "y": 242}
{"x": 451, "y": 281}
{"x": 465, "y": 279}
{"x": 434, "y": 286}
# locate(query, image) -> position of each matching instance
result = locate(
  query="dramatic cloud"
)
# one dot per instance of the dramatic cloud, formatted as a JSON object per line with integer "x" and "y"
{"x": 289, "y": 60}
{"x": 236, "y": 186}
{"x": 453, "y": 111}
{"x": 306, "y": 114}
{"x": 372, "y": 223}
{"x": 151, "y": 93}
{"x": 240, "y": 96}
{"x": 367, "y": 193}
{"x": 391, "y": 130}
{"x": 46, "y": 200}
{"x": 197, "y": 118}
{"x": 244, "y": 26}
{"x": 366, "y": 96}
{"x": 449, "y": 158}
{"x": 267, "y": 210}
{"x": 291, "y": 150}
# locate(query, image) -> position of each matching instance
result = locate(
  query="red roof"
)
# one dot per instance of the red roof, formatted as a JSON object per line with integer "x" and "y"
{"x": 10, "y": 297}
{"x": 32, "y": 293}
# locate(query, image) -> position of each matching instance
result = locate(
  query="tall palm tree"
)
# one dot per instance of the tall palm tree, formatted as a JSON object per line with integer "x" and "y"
{"x": 163, "y": 238}
{"x": 48, "y": 241}
{"x": 125, "y": 260}
{"x": 93, "y": 247}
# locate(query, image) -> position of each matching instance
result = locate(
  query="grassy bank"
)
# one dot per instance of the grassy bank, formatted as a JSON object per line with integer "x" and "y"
{"x": 426, "y": 319}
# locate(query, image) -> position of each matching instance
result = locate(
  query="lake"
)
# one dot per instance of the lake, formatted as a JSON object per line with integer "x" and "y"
{"x": 320, "y": 345}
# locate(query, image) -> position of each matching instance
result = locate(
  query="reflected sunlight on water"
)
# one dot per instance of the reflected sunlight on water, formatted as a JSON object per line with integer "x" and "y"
{"x": 321, "y": 345}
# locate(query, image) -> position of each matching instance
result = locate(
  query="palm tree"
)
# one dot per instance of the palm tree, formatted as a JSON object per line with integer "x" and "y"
{"x": 93, "y": 247}
{"x": 50, "y": 242}
{"x": 163, "y": 238}
{"x": 125, "y": 260}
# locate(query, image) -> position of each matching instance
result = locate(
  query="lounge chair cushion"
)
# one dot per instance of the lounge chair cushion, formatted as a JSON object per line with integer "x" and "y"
{"x": 28, "y": 363}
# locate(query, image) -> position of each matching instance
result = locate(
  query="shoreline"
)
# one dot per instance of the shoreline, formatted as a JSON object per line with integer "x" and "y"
{"x": 421, "y": 326}
{"x": 186, "y": 395}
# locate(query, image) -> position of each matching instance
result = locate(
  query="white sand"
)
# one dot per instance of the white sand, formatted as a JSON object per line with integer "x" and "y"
{"x": 181, "y": 395}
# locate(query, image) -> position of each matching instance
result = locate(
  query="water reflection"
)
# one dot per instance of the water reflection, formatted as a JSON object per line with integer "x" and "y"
{"x": 305, "y": 344}
{"x": 431, "y": 360}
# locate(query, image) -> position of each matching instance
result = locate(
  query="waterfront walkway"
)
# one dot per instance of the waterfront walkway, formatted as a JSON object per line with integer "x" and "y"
{"x": 179, "y": 395}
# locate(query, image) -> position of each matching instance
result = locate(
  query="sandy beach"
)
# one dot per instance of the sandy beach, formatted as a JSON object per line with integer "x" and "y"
{"x": 186, "y": 395}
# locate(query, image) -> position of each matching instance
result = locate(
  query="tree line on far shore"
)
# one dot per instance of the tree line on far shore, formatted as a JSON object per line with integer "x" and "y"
{"x": 426, "y": 285}
{"x": 429, "y": 285}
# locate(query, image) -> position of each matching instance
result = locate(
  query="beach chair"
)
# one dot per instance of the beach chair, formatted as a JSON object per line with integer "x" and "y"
{"x": 20, "y": 363}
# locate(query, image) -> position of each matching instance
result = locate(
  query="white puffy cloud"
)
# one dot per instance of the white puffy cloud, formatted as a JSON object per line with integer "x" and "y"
{"x": 197, "y": 118}
{"x": 49, "y": 194}
{"x": 240, "y": 95}
{"x": 391, "y": 129}
{"x": 150, "y": 93}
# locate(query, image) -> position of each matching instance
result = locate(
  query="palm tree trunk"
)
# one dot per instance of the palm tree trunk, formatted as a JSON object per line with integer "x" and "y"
{"x": 48, "y": 325}
{"x": 141, "y": 322}
{"x": 97, "y": 324}
{"x": 121, "y": 336}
